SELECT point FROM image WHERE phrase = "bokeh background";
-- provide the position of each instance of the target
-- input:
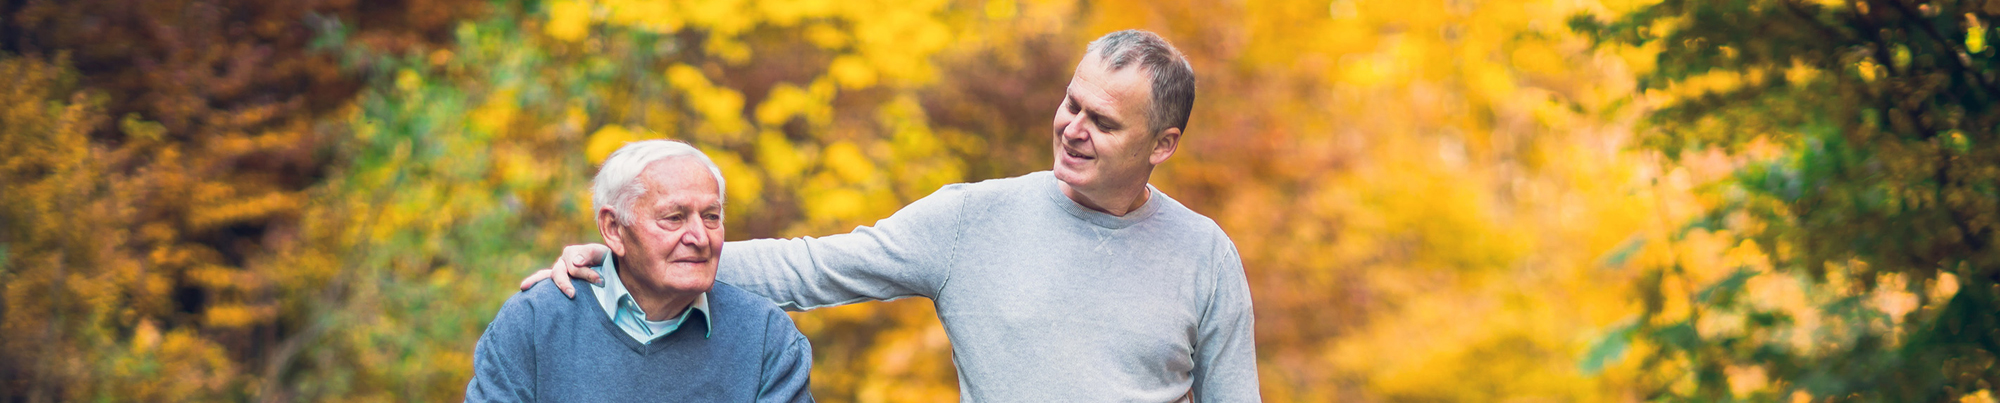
(1443, 200)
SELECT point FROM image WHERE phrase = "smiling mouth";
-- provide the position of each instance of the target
(1073, 154)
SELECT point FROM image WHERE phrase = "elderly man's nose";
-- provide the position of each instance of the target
(695, 236)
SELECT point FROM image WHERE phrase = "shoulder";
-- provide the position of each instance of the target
(743, 305)
(1199, 233)
(545, 300)
(956, 199)
(1023, 185)
(1185, 220)
(752, 313)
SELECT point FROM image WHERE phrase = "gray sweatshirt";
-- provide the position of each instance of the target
(1044, 300)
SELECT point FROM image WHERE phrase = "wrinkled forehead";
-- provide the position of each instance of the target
(680, 178)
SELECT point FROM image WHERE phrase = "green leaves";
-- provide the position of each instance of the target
(1856, 164)
(1607, 349)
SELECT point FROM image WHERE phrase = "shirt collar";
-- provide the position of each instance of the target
(618, 301)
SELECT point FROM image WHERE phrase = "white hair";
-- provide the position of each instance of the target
(617, 186)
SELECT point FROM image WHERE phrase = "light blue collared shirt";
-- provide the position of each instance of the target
(625, 311)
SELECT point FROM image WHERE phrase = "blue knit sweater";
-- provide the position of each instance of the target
(547, 347)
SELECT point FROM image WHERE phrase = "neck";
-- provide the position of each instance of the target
(659, 304)
(1116, 202)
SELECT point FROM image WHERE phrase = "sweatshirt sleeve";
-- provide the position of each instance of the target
(502, 361)
(904, 255)
(1225, 352)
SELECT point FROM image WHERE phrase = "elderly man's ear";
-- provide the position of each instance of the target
(607, 226)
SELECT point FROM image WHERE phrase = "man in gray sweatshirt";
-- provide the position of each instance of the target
(1083, 283)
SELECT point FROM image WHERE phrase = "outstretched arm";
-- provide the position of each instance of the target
(904, 255)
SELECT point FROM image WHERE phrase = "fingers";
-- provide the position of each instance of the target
(581, 258)
(561, 276)
(587, 274)
(534, 278)
(586, 255)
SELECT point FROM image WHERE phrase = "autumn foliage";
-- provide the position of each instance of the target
(327, 200)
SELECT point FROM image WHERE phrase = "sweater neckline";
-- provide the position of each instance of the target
(1053, 188)
(612, 329)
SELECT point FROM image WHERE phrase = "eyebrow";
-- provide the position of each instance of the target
(1103, 122)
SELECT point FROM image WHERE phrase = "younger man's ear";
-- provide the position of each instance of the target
(1164, 145)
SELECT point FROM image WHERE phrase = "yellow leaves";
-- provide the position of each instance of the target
(900, 41)
(785, 13)
(832, 204)
(605, 141)
(720, 107)
(495, 115)
(826, 36)
(846, 160)
(569, 20)
(724, 18)
(1001, 9)
(233, 210)
(1491, 80)
(1715, 81)
(198, 365)
(1538, 58)
(519, 170)
(787, 100)
(407, 80)
(653, 15)
(1975, 34)
(852, 72)
(1870, 71)
(228, 315)
(779, 158)
(745, 184)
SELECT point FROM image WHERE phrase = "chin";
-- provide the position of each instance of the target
(1072, 177)
(692, 285)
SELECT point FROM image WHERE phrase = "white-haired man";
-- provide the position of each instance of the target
(659, 327)
(1083, 284)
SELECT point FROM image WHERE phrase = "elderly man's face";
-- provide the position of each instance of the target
(675, 237)
(1101, 137)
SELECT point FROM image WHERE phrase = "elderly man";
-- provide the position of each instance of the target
(659, 327)
(1082, 284)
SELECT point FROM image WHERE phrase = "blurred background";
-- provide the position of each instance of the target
(1445, 200)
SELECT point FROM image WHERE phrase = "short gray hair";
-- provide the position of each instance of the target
(617, 186)
(1173, 77)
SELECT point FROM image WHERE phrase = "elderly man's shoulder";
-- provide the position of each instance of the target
(739, 302)
(545, 299)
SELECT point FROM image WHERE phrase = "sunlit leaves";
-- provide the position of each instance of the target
(1850, 180)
